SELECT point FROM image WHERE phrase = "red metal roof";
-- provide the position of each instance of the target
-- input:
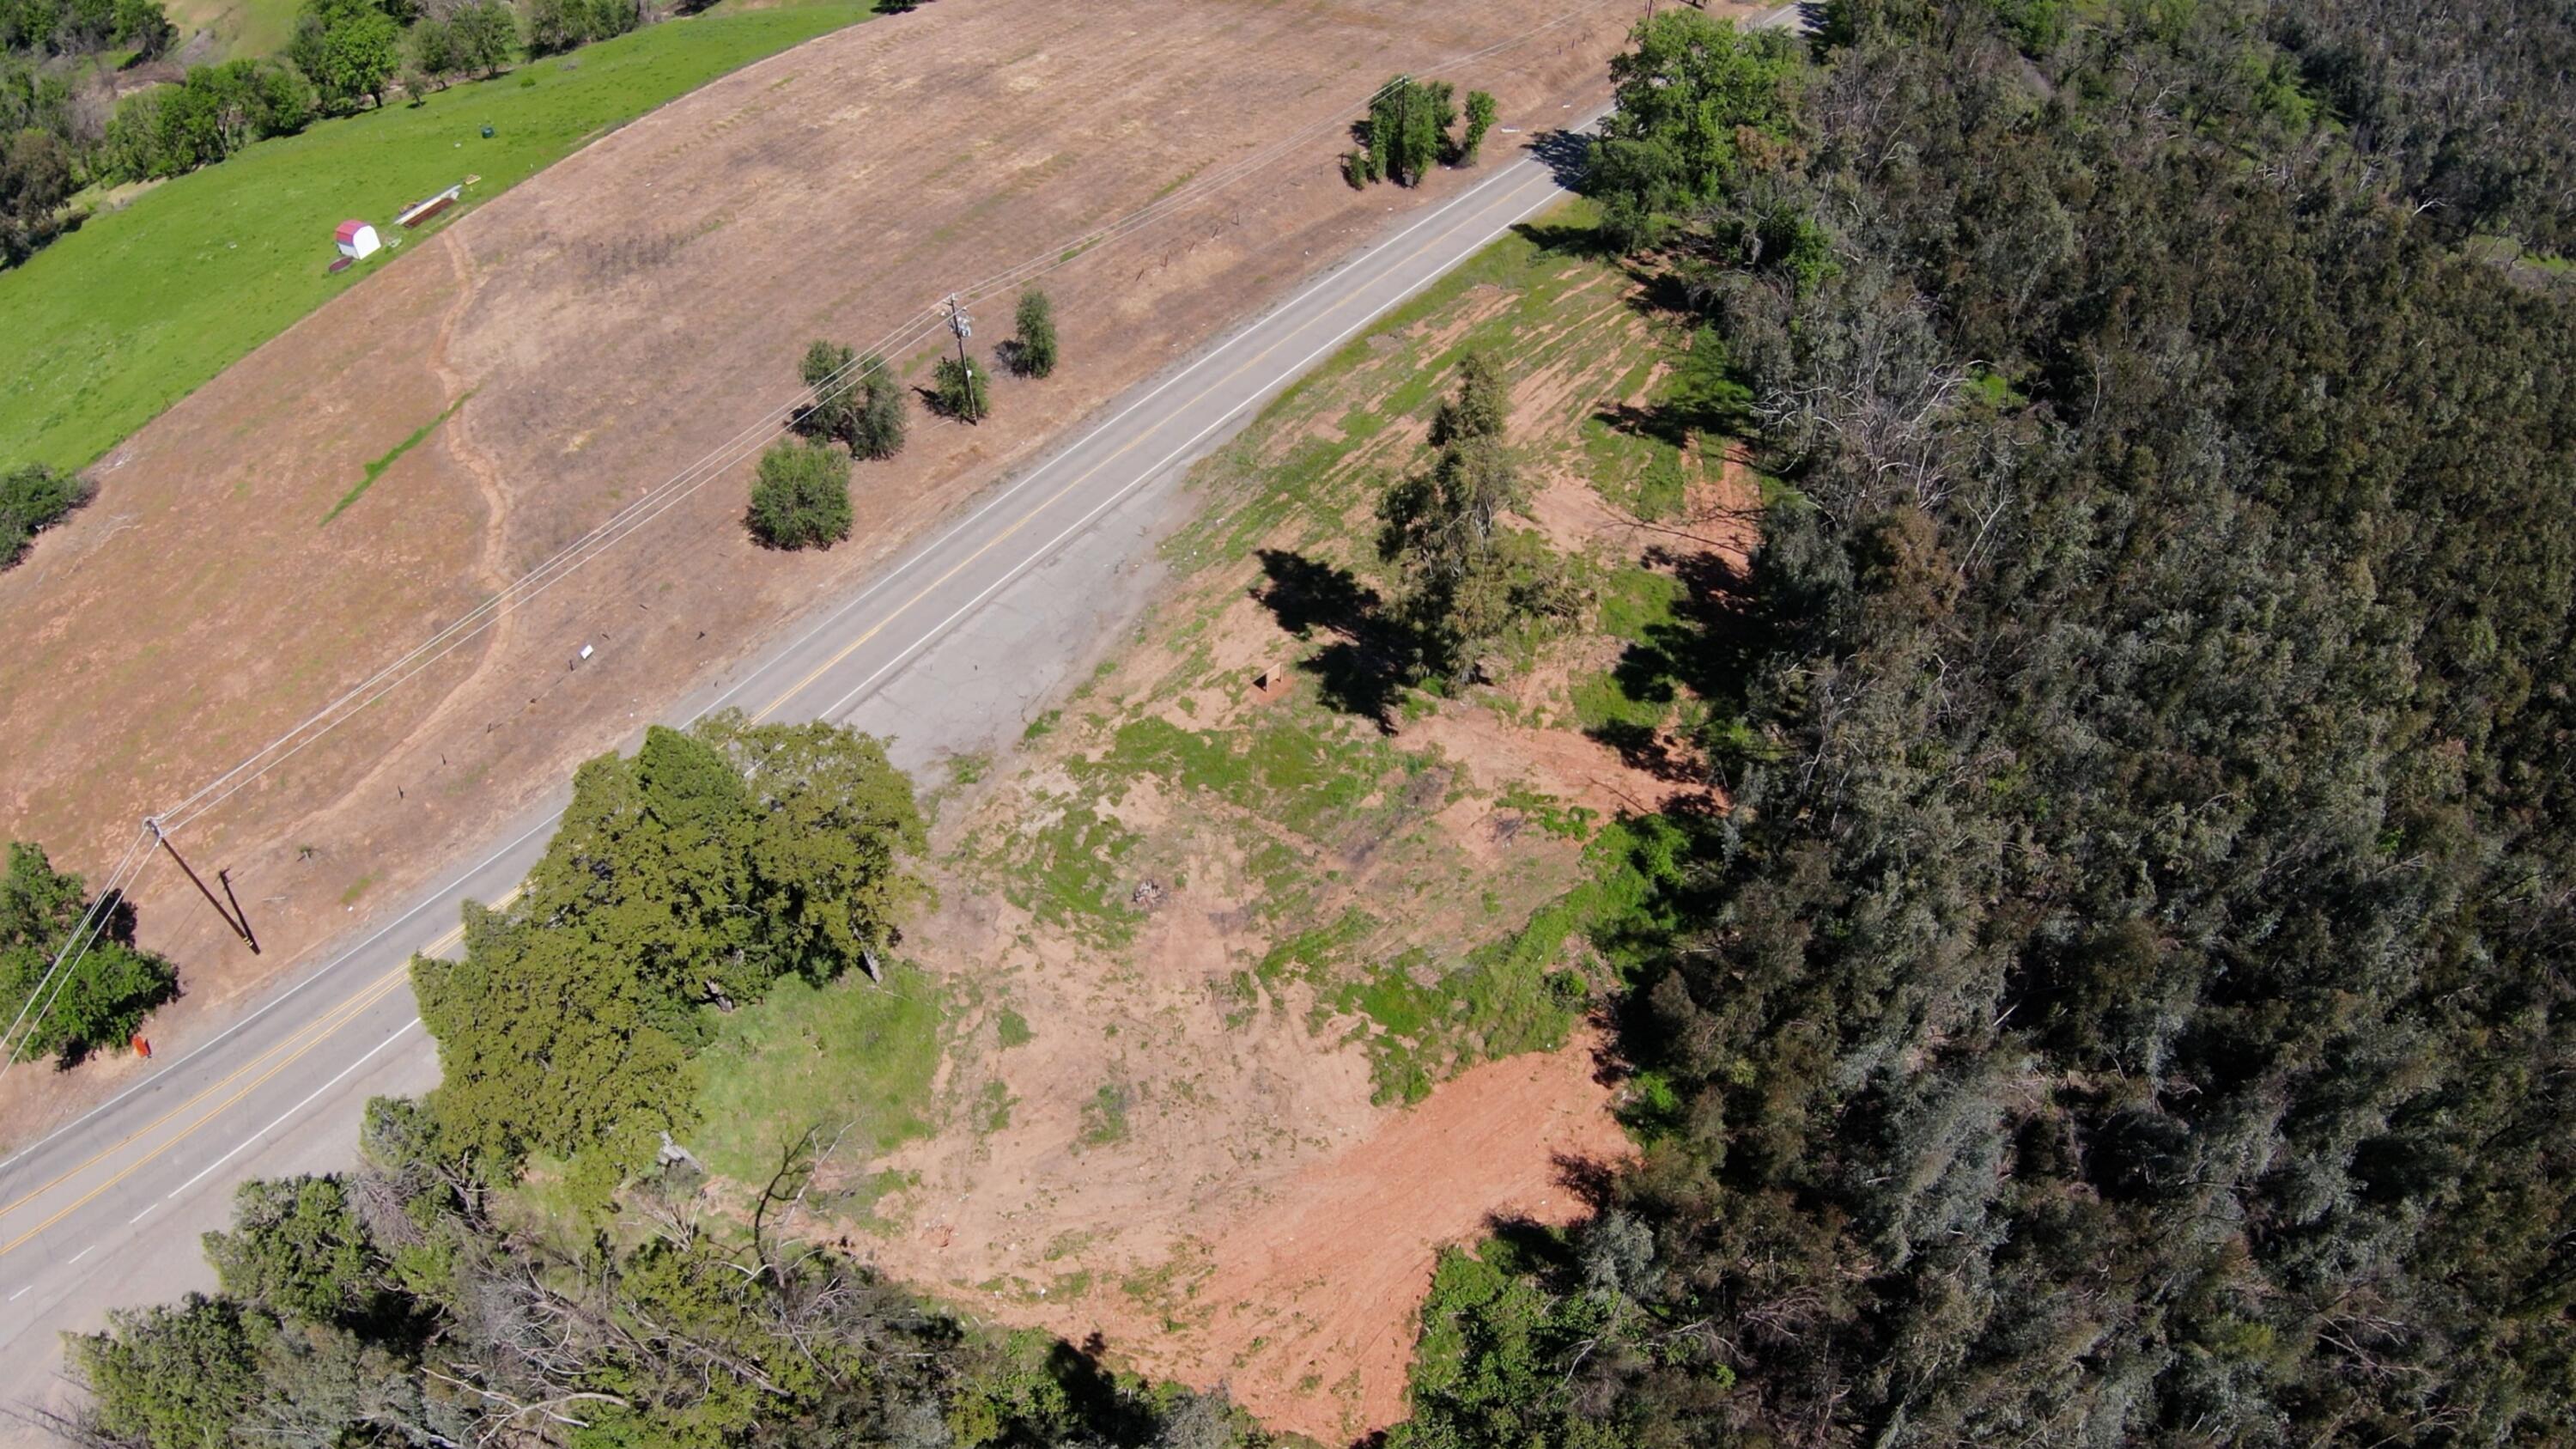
(348, 231)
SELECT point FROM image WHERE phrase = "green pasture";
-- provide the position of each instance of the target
(115, 322)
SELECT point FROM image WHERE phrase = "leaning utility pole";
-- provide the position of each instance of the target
(964, 327)
(233, 917)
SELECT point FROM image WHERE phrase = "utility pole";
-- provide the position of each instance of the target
(232, 917)
(964, 327)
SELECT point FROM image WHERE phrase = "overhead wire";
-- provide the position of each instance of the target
(76, 944)
(654, 502)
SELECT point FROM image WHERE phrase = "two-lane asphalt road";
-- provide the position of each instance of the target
(950, 642)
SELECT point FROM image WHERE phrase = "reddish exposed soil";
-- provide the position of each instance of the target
(1301, 1297)
(607, 324)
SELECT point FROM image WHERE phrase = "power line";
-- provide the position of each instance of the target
(654, 502)
(75, 946)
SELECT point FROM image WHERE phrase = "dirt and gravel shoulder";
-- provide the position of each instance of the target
(1255, 998)
(596, 331)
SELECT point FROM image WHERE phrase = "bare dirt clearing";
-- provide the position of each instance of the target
(606, 325)
(1266, 999)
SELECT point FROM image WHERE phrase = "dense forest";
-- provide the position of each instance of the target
(2126, 998)
(2129, 997)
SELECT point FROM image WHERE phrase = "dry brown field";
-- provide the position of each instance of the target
(598, 330)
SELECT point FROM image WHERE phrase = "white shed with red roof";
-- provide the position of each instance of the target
(356, 239)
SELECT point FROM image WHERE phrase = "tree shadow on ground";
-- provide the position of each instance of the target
(1098, 1401)
(1566, 155)
(1706, 649)
(1656, 421)
(1363, 668)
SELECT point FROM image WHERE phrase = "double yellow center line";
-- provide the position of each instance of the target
(276, 1059)
(288, 1052)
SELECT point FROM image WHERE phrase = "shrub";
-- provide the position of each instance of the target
(31, 500)
(1033, 348)
(876, 429)
(962, 390)
(802, 497)
(110, 990)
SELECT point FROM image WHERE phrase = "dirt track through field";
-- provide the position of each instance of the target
(605, 326)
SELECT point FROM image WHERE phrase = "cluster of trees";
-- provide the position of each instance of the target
(1411, 127)
(215, 111)
(400, 1305)
(47, 128)
(801, 497)
(1701, 109)
(555, 26)
(417, 1301)
(1468, 581)
(686, 879)
(33, 499)
(2128, 999)
(46, 28)
(95, 1008)
(477, 39)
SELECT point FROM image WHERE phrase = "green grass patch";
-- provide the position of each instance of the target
(1637, 603)
(112, 324)
(993, 1108)
(1073, 875)
(1602, 702)
(1635, 472)
(1104, 1117)
(855, 1203)
(1290, 771)
(851, 1055)
(1012, 1029)
(1422, 1024)
(1636, 606)
(376, 469)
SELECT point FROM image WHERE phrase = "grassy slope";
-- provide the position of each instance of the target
(114, 323)
(243, 27)
(852, 1059)
(1299, 784)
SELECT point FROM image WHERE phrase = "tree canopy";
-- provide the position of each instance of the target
(32, 499)
(347, 49)
(1468, 579)
(394, 1305)
(802, 497)
(115, 986)
(1033, 340)
(2126, 999)
(690, 876)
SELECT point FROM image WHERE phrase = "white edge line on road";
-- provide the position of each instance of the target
(138, 1217)
(1148, 474)
(921, 555)
(23, 1292)
(443, 895)
(76, 1257)
(1017, 572)
(397, 1034)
